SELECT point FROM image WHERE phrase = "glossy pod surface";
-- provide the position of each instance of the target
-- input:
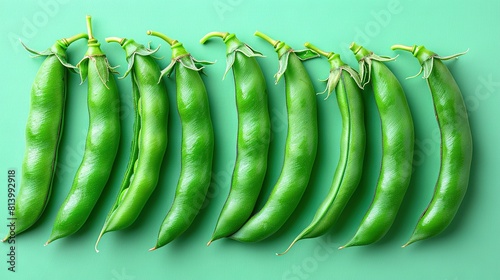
(43, 132)
(300, 149)
(254, 130)
(149, 141)
(397, 147)
(345, 81)
(456, 145)
(101, 143)
(197, 143)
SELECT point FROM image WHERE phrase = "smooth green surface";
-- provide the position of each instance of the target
(468, 249)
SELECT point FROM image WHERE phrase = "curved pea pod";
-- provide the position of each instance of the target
(300, 146)
(254, 130)
(346, 83)
(149, 141)
(396, 123)
(197, 142)
(43, 134)
(101, 143)
(456, 144)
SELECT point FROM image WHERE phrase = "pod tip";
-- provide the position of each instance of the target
(408, 243)
(222, 35)
(97, 242)
(289, 247)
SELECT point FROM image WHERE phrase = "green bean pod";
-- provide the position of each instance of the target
(197, 142)
(347, 85)
(300, 147)
(456, 144)
(149, 141)
(397, 147)
(43, 133)
(254, 130)
(101, 145)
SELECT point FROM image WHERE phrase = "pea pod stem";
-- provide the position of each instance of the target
(93, 44)
(267, 38)
(167, 39)
(404, 48)
(316, 49)
(70, 40)
(210, 35)
(115, 40)
(178, 52)
(89, 28)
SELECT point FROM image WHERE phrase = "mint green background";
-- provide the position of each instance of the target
(467, 250)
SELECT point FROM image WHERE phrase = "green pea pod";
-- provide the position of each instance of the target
(456, 144)
(300, 147)
(101, 144)
(397, 147)
(149, 140)
(197, 143)
(254, 130)
(347, 85)
(43, 134)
